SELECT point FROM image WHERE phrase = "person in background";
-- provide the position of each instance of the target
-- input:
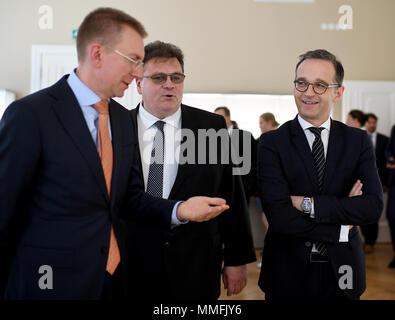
(249, 180)
(379, 142)
(267, 122)
(183, 264)
(356, 119)
(390, 156)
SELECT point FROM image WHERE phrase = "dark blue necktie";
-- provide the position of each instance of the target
(319, 165)
(155, 172)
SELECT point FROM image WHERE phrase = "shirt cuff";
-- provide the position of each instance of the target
(312, 215)
(344, 231)
(174, 220)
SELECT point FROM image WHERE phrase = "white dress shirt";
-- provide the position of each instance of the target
(344, 230)
(374, 138)
(172, 131)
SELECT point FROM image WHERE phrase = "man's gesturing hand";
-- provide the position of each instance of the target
(200, 209)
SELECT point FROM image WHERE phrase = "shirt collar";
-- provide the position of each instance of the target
(305, 124)
(84, 95)
(149, 119)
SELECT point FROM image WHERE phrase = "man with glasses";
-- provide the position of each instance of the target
(66, 167)
(307, 168)
(184, 263)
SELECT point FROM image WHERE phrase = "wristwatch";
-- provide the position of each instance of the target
(306, 205)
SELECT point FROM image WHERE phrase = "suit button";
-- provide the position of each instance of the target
(104, 250)
(167, 244)
(307, 244)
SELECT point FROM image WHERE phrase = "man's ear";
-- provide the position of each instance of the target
(339, 94)
(138, 84)
(95, 52)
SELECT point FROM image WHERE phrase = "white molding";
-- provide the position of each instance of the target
(40, 55)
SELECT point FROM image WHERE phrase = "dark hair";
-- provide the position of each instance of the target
(225, 110)
(359, 115)
(104, 25)
(268, 116)
(327, 56)
(370, 115)
(159, 49)
(234, 124)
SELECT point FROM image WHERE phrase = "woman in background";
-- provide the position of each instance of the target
(356, 119)
(267, 122)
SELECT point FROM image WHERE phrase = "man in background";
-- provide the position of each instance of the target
(239, 138)
(390, 156)
(379, 142)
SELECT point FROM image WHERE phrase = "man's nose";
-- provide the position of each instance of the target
(168, 83)
(137, 73)
(310, 91)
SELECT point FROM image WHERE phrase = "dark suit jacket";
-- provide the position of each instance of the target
(381, 161)
(185, 263)
(249, 180)
(54, 206)
(390, 152)
(285, 166)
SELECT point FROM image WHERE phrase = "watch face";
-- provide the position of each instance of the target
(306, 205)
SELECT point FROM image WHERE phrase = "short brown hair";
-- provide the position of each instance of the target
(269, 117)
(224, 109)
(104, 25)
(370, 115)
(159, 49)
(323, 54)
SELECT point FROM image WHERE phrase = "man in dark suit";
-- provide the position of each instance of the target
(379, 141)
(184, 264)
(390, 156)
(66, 170)
(238, 137)
(307, 168)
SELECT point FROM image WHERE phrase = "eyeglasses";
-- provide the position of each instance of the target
(161, 78)
(137, 64)
(318, 87)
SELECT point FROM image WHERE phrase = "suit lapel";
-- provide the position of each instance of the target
(133, 113)
(72, 119)
(301, 145)
(116, 132)
(334, 153)
(186, 123)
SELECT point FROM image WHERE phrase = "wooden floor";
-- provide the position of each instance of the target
(380, 279)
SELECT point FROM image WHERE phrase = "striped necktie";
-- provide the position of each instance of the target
(319, 165)
(106, 157)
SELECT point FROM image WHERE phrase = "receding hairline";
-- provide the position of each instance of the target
(318, 59)
(105, 25)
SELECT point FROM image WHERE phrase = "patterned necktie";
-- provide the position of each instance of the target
(106, 156)
(155, 172)
(319, 165)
